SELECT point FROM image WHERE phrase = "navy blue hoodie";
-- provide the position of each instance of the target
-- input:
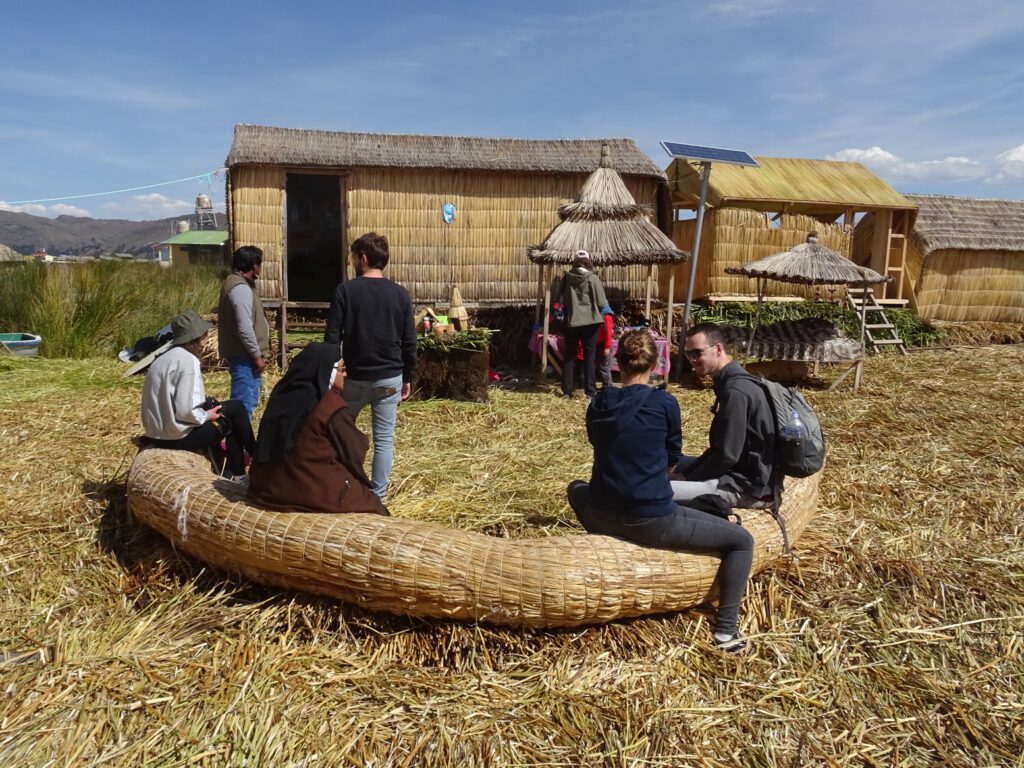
(636, 434)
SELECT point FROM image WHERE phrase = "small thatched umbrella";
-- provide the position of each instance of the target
(608, 223)
(809, 263)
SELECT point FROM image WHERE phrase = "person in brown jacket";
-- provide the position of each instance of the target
(310, 453)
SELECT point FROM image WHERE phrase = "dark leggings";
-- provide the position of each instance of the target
(686, 529)
(587, 334)
(239, 438)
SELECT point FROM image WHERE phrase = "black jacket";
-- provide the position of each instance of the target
(741, 450)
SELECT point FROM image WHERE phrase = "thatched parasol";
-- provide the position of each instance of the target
(607, 222)
(809, 263)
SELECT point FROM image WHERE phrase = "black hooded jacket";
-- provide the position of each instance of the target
(635, 432)
(294, 397)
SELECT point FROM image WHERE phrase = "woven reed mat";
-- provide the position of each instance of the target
(808, 339)
(424, 569)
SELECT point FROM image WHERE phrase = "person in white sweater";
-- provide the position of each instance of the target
(176, 412)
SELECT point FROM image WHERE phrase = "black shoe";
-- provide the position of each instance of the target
(578, 494)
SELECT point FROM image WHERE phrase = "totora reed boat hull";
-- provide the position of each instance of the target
(425, 569)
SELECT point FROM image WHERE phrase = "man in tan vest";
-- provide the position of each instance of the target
(243, 333)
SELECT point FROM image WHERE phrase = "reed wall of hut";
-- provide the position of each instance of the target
(256, 203)
(731, 237)
(497, 216)
(956, 284)
(963, 286)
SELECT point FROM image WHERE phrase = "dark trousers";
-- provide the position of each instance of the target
(587, 334)
(686, 529)
(236, 432)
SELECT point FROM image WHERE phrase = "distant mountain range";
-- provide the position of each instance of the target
(80, 236)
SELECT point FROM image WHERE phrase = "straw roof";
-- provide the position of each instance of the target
(810, 263)
(265, 145)
(794, 184)
(606, 221)
(965, 223)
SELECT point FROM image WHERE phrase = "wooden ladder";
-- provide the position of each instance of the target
(879, 331)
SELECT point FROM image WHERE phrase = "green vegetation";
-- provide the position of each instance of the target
(914, 331)
(95, 309)
(473, 339)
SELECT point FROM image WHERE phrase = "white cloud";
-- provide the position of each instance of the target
(98, 88)
(953, 168)
(1009, 166)
(747, 10)
(149, 206)
(49, 211)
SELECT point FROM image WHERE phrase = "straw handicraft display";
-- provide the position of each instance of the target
(424, 569)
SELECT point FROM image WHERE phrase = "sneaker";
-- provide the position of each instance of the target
(735, 643)
(242, 480)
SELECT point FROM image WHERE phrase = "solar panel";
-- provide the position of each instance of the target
(709, 154)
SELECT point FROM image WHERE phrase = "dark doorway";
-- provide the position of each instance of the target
(316, 251)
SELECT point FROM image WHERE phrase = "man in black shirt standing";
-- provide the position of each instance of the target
(372, 318)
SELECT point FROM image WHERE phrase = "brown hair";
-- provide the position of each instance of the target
(374, 247)
(637, 352)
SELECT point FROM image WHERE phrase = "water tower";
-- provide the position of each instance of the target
(206, 218)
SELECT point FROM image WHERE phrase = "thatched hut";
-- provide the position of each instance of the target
(755, 212)
(965, 260)
(606, 221)
(455, 209)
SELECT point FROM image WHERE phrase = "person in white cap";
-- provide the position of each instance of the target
(176, 413)
(584, 303)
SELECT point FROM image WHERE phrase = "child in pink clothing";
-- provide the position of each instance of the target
(605, 334)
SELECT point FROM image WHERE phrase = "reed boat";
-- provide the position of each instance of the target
(424, 569)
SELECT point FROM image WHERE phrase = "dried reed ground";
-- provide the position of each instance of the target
(894, 636)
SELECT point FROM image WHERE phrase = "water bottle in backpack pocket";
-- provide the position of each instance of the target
(792, 440)
(800, 441)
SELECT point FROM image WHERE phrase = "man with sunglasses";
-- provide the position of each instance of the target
(739, 462)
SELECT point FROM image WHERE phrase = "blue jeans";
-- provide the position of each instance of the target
(383, 397)
(245, 383)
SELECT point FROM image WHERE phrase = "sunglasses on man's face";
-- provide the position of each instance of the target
(694, 354)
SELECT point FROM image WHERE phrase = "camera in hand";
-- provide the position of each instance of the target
(209, 403)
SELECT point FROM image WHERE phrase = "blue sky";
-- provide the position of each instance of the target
(104, 96)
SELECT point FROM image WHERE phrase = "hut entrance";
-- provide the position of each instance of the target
(315, 247)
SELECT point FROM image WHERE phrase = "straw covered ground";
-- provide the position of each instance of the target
(893, 636)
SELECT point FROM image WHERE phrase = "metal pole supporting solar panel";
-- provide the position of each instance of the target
(705, 156)
(705, 175)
